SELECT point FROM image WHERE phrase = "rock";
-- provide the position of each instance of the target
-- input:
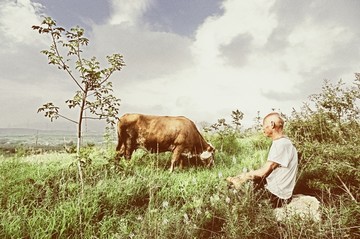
(301, 206)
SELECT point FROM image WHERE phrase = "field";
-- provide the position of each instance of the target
(12, 139)
(41, 197)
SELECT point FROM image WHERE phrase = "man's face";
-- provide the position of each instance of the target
(267, 127)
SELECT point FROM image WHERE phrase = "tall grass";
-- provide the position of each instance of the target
(40, 198)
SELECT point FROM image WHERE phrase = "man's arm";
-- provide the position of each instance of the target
(266, 169)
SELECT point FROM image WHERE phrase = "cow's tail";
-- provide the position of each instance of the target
(120, 145)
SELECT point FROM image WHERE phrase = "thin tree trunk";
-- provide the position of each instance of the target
(78, 146)
(79, 132)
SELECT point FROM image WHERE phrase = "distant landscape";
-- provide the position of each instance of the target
(11, 138)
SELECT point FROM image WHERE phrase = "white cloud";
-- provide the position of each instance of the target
(13, 14)
(240, 17)
(311, 44)
(210, 87)
(129, 12)
(27, 80)
(147, 54)
(309, 48)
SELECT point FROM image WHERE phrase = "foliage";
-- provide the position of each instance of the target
(327, 138)
(94, 88)
(329, 168)
(237, 116)
(39, 199)
(334, 117)
(225, 135)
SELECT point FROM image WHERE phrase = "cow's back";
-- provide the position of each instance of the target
(160, 132)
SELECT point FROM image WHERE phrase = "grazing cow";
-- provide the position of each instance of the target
(160, 134)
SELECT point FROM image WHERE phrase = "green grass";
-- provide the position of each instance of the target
(41, 198)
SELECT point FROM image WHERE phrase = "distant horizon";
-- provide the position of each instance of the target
(14, 137)
(24, 130)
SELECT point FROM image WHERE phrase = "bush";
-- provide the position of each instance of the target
(329, 167)
(327, 139)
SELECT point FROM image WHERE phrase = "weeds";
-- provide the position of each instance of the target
(40, 194)
(40, 199)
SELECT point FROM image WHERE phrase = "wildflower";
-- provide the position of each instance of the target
(234, 160)
(194, 180)
(220, 175)
(165, 221)
(198, 211)
(186, 218)
(165, 204)
(227, 200)
(214, 198)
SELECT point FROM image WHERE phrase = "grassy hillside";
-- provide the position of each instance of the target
(41, 198)
(41, 195)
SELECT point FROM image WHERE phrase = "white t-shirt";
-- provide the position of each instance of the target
(281, 181)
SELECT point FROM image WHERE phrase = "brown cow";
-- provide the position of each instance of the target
(160, 134)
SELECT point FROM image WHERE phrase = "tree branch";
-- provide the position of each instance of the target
(67, 118)
(62, 62)
(346, 189)
(94, 118)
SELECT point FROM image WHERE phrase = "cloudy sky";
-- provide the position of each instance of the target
(197, 58)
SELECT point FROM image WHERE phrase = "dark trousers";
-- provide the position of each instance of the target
(275, 201)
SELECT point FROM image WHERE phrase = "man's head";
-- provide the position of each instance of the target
(273, 125)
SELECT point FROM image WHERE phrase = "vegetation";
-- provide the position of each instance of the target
(46, 195)
(41, 197)
(328, 139)
(94, 88)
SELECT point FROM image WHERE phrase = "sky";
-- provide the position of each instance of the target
(198, 58)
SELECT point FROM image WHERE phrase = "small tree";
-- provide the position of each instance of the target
(237, 116)
(94, 89)
(225, 134)
(338, 101)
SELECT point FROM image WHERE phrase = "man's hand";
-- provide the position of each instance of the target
(236, 181)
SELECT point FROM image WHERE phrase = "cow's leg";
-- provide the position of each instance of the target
(129, 148)
(121, 147)
(120, 150)
(181, 162)
(119, 153)
(175, 157)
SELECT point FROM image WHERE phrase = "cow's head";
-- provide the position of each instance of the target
(208, 156)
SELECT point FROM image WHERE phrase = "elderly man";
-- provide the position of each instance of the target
(280, 168)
